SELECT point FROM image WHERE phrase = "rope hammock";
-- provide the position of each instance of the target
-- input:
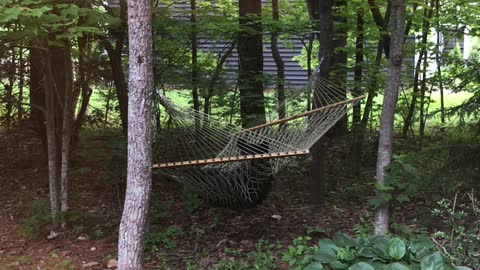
(234, 167)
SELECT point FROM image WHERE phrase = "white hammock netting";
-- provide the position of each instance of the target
(234, 167)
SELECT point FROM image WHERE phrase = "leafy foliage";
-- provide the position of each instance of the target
(376, 252)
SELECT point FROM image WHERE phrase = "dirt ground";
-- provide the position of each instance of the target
(205, 234)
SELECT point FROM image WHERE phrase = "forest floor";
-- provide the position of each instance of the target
(185, 233)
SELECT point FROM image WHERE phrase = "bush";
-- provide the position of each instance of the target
(377, 252)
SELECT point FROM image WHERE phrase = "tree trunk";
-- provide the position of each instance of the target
(85, 89)
(37, 91)
(439, 66)
(11, 74)
(280, 81)
(51, 135)
(213, 81)
(423, 91)
(357, 113)
(195, 77)
(388, 110)
(309, 69)
(427, 15)
(68, 108)
(317, 165)
(250, 53)
(382, 24)
(339, 64)
(139, 170)
(21, 83)
(115, 61)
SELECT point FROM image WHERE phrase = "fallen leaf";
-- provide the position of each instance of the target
(112, 264)
(81, 238)
(93, 248)
(52, 235)
(90, 264)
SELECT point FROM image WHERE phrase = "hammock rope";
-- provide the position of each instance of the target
(234, 167)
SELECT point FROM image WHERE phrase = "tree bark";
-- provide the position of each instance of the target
(280, 81)
(427, 15)
(250, 53)
(382, 24)
(85, 89)
(139, 171)
(68, 108)
(195, 77)
(317, 165)
(357, 113)
(115, 61)
(21, 83)
(213, 81)
(37, 91)
(51, 134)
(385, 143)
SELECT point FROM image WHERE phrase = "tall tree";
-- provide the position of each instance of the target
(280, 81)
(385, 143)
(194, 43)
(250, 53)
(139, 171)
(115, 61)
(326, 35)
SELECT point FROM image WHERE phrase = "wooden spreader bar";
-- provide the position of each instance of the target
(300, 115)
(229, 159)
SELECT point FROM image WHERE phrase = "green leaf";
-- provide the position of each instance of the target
(342, 240)
(433, 262)
(462, 268)
(314, 266)
(338, 265)
(396, 248)
(10, 14)
(327, 251)
(397, 266)
(367, 252)
(361, 266)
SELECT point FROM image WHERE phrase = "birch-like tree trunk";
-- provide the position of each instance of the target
(389, 103)
(66, 131)
(139, 172)
(51, 138)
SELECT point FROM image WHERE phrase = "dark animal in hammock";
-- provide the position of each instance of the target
(246, 191)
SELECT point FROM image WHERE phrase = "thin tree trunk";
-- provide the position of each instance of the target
(427, 15)
(382, 24)
(388, 110)
(309, 68)
(9, 88)
(250, 52)
(85, 89)
(280, 81)
(439, 67)
(139, 171)
(21, 83)
(357, 114)
(51, 136)
(115, 61)
(423, 91)
(213, 81)
(37, 91)
(107, 106)
(195, 77)
(372, 88)
(68, 108)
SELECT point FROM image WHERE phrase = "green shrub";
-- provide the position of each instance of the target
(377, 252)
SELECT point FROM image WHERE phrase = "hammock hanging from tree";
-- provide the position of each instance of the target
(233, 167)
